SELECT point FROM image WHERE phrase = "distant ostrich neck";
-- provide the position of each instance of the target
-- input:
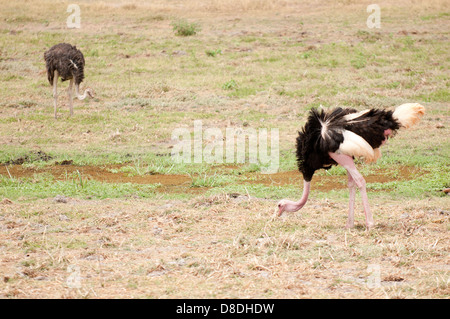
(77, 91)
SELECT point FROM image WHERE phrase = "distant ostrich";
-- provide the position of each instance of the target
(66, 61)
(337, 136)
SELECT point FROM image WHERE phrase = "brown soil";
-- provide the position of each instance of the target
(327, 183)
(181, 183)
(102, 173)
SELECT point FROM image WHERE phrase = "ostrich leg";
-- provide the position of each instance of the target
(69, 92)
(351, 204)
(347, 162)
(55, 92)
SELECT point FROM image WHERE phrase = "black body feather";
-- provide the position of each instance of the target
(371, 126)
(323, 133)
(67, 60)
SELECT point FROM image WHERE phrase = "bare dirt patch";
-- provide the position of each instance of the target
(103, 173)
(327, 183)
(175, 183)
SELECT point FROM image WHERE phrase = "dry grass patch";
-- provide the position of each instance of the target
(220, 247)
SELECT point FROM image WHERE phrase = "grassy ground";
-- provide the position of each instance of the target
(97, 197)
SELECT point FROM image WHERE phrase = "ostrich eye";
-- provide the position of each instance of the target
(279, 205)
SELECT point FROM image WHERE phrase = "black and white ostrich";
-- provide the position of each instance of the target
(66, 61)
(339, 135)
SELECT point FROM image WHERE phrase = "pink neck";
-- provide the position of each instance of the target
(295, 206)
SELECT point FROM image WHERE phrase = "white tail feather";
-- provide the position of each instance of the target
(408, 114)
(352, 116)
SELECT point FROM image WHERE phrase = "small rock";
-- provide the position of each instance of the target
(440, 125)
(60, 199)
(404, 216)
(393, 278)
(41, 278)
(65, 162)
(179, 52)
(63, 217)
(157, 230)
(263, 242)
(178, 262)
(264, 274)
(156, 273)
(94, 257)
(166, 206)
(116, 135)
(181, 262)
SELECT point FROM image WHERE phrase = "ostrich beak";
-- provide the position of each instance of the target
(91, 93)
(280, 210)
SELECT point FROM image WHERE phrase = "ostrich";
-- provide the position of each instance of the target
(66, 61)
(336, 137)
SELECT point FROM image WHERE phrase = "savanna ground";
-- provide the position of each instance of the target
(92, 206)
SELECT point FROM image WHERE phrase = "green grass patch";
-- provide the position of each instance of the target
(76, 185)
(184, 28)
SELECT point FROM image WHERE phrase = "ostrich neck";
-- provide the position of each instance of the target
(295, 206)
(306, 188)
(79, 96)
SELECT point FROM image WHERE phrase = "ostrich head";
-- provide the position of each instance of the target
(87, 92)
(90, 92)
(281, 207)
(285, 205)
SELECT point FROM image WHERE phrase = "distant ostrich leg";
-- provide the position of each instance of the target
(55, 91)
(66, 61)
